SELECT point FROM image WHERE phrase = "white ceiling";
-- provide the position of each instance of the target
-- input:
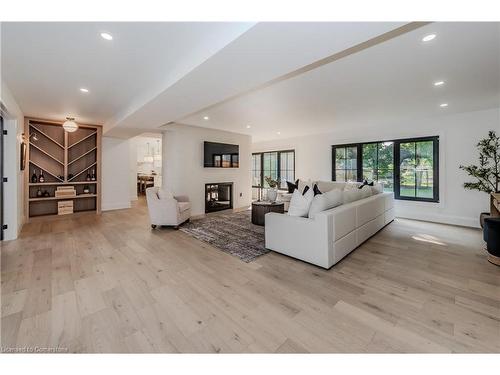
(45, 64)
(387, 83)
(243, 74)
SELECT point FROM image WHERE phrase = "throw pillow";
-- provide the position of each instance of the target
(306, 189)
(366, 191)
(292, 186)
(316, 190)
(165, 194)
(377, 188)
(365, 183)
(300, 203)
(325, 201)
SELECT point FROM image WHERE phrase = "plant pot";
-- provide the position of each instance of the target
(272, 194)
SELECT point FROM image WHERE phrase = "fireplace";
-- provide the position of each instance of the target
(218, 196)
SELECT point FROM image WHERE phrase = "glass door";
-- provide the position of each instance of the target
(1, 178)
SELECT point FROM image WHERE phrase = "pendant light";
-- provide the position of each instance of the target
(70, 125)
(148, 158)
(157, 156)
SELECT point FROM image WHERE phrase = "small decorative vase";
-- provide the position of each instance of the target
(272, 194)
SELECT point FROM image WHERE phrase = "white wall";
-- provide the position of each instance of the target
(14, 188)
(183, 171)
(459, 133)
(133, 168)
(115, 173)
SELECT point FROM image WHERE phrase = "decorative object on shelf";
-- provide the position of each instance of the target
(46, 194)
(65, 191)
(41, 178)
(272, 192)
(86, 189)
(487, 172)
(34, 178)
(22, 158)
(39, 193)
(87, 178)
(64, 207)
(60, 177)
(70, 125)
(92, 176)
(70, 176)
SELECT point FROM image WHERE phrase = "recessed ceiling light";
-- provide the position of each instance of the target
(443, 105)
(248, 126)
(84, 89)
(278, 133)
(107, 36)
(439, 83)
(428, 38)
(206, 118)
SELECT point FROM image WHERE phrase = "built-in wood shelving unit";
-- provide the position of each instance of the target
(65, 159)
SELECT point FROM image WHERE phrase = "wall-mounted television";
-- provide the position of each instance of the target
(221, 155)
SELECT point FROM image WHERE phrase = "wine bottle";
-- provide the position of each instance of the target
(92, 178)
(34, 178)
(41, 178)
(39, 193)
(88, 176)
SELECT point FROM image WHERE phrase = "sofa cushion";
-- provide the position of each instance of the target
(325, 186)
(351, 195)
(165, 194)
(300, 203)
(302, 184)
(183, 206)
(325, 201)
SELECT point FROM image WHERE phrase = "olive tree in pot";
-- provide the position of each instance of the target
(487, 179)
(487, 173)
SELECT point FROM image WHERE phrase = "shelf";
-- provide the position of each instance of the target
(46, 136)
(81, 196)
(81, 156)
(45, 169)
(62, 183)
(84, 138)
(46, 153)
(83, 170)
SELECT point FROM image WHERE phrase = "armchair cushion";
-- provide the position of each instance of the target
(183, 206)
(165, 194)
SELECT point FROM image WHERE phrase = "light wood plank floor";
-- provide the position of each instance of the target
(110, 284)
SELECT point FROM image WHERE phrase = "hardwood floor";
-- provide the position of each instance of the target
(111, 284)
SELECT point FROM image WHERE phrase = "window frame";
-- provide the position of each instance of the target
(397, 167)
(278, 161)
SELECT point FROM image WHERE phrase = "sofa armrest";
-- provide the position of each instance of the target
(181, 198)
(299, 237)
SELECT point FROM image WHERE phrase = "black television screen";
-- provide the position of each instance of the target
(221, 155)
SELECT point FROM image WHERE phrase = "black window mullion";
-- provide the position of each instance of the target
(397, 170)
(359, 162)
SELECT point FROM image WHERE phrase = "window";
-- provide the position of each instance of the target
(409, 167)
(346, 165)
(280, 165)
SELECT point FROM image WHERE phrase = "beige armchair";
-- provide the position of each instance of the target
(171, 211)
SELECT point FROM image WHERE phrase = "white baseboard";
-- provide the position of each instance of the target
(443, 219)
(115, 206)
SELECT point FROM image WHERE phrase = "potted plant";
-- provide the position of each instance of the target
(272, 192)
(487, 179)
(487, 173)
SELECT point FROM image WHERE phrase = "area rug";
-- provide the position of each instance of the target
(233, 233)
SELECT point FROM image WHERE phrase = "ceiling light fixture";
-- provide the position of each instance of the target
(70, 125)
(278, 133)
(443, 105)
(248, 126)
(206, 118)
(439, 83)
(428, 38)
(107, 36)
(84, 90)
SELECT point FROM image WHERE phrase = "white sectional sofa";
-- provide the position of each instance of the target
(332, 234)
